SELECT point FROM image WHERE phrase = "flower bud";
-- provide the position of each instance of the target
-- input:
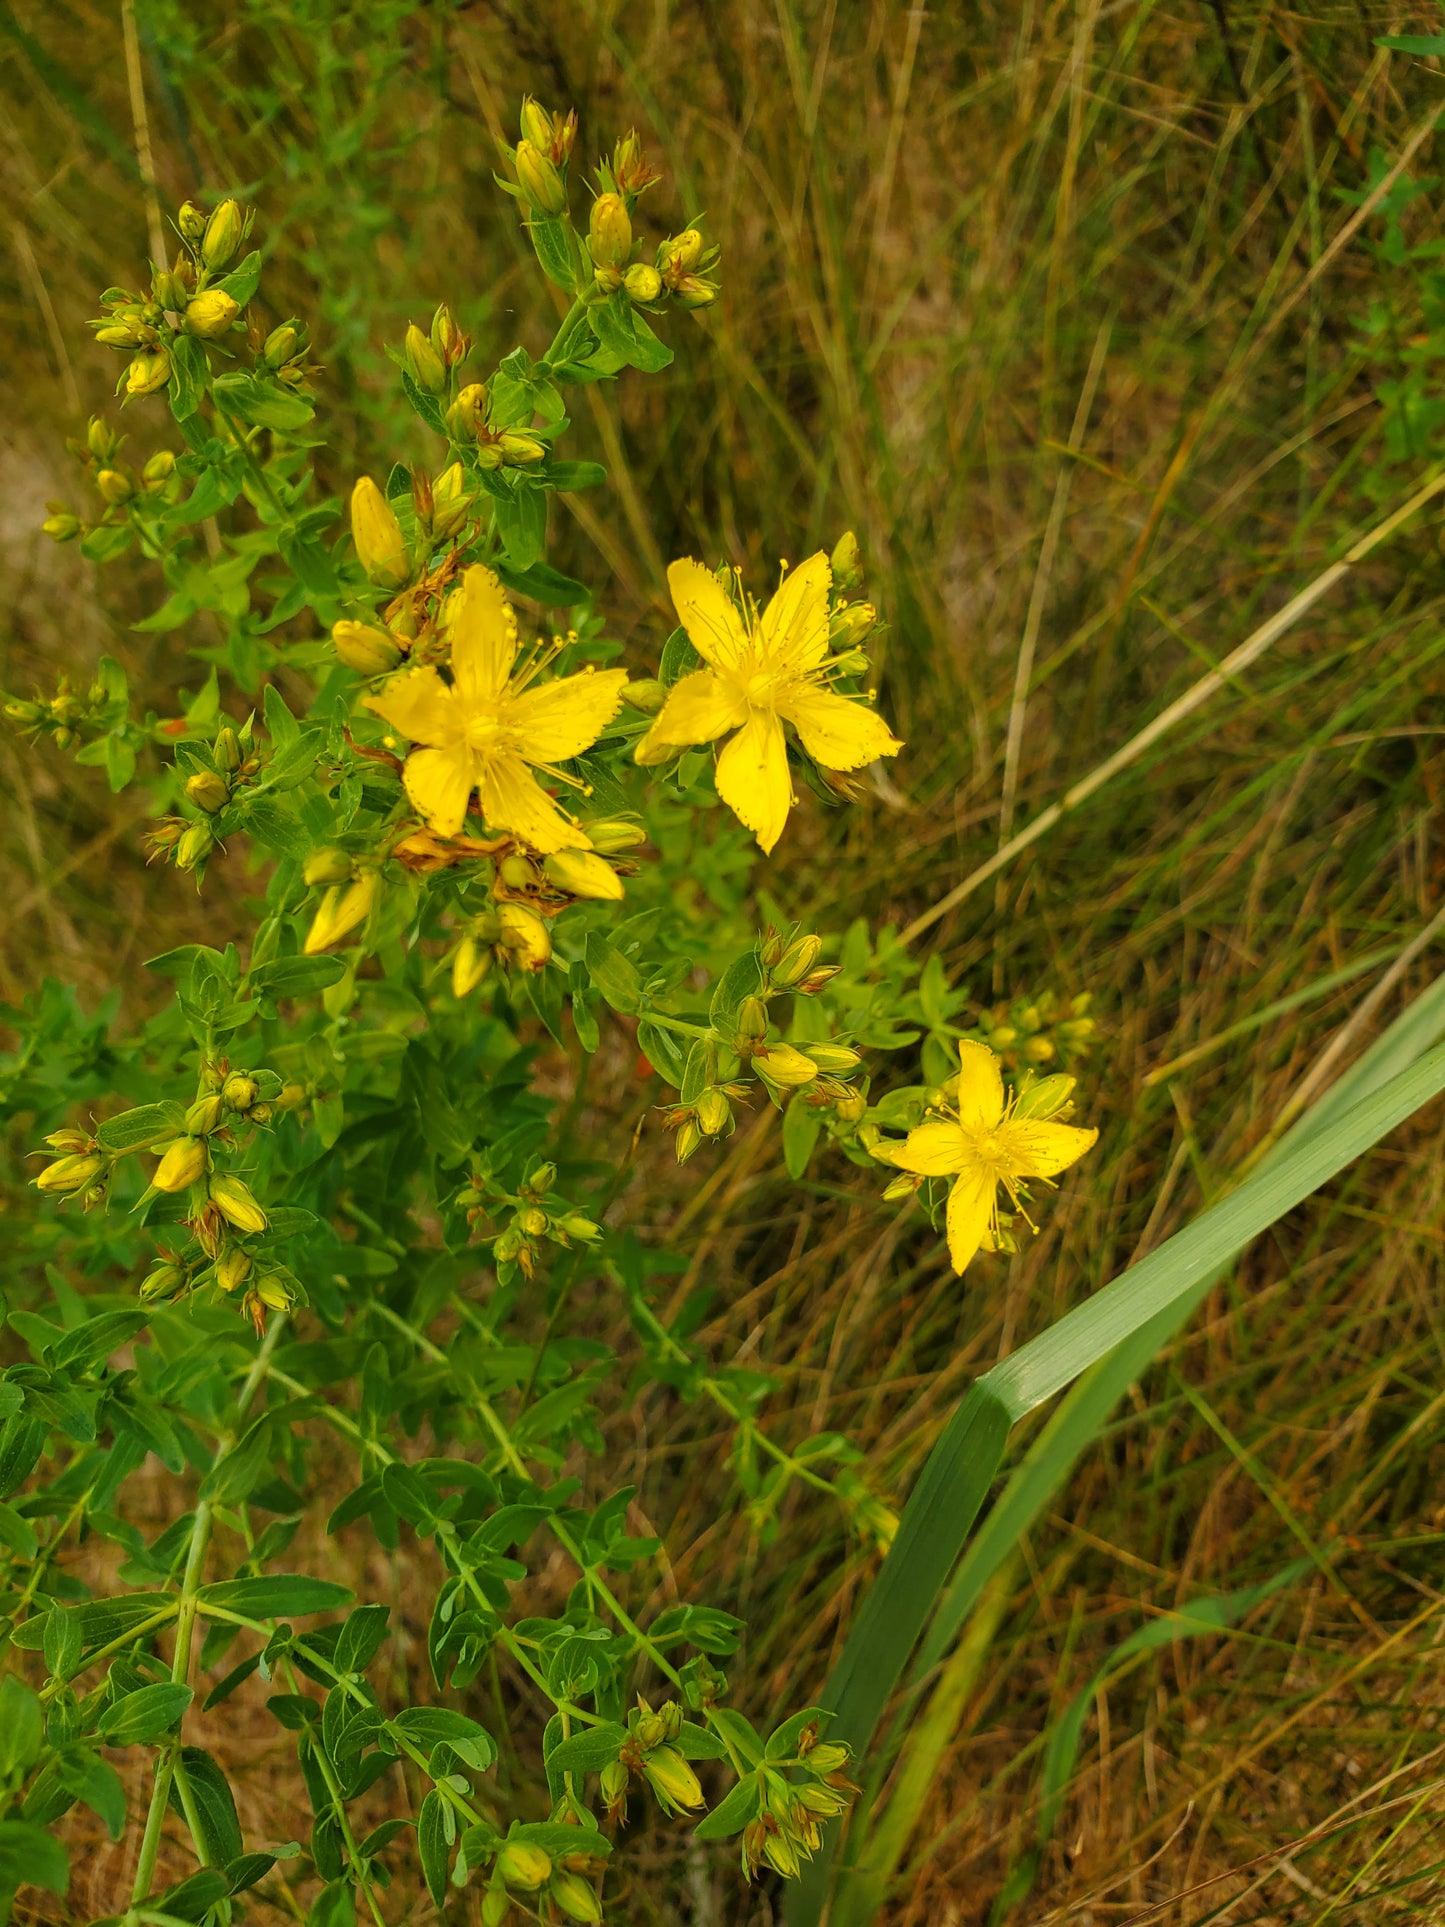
(240, 1091)
(327, 867)
(525, 935)
(495, 1907)
(522, 1865)
(194, 845)
(613, 834)
(365, 648)
(274, 1291)
(447, 338)
(224, 233)
(533, 1221)
(646, 694)
(185, 1162)
(688, 1139)
(521, 451)
(62, 528)
(468, 412)
(115, 485)
(796, 961)
(713, 1113)
(191, 221)
(281, 345)
(68, 1175)
(781, 1064)
(377, 536)
(159, 468)
(681, 254)
(126, 334)
(292, 1098)
(834, 1058)
(148, 372)
(851, 1108)
(652, 749)
(815, 979)
(452, 501)
(609, 231)
(574, 1225)
(613, 1779)
(781, 1855)
(208, 791)
(24, 715)
(424, 364)
(163, 1282)
(830, 1756)
(226, 750)
(852, 623)
(582, 874)
(576, 1897)
(694, 291)
(205, 1115)
(643, 284)
(233, 1268)
(470, 963)
(538, 177)
(489, 455)
(340, 911)
(210, 314)
(752, 1021)
(631, 169)
(847, 562)
(236, 1205)
(516, 872)
(672, 1779)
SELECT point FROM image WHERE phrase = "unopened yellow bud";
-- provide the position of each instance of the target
(69, 1175)
(576, 1897)
(752, 1021)
(796, 961)
(204, 1115)
(126, 334)
(226, 750)
(847, 561)
(852, 623)
(452, 501)
(539, 179)
(240, 1091)
(148, 372)
(781, 1855)
(423, 362)
(324, 867)
(851, 1108)
(523, 1865)
(281, 344)
(609, 231)
(713, 1113)
(62, 528)
(224, 233)
(365, 648)
(694, 291)
(834, 1058)
(468, 412)
(524, 934)
(273, 1291)
(208, 791)
(642, 283)
(516, 872)
(582, 874)
(194, 845)
(340, 911)
(689, 1136)
(185, 1162)
(533, 1221)
(115, 485)
(210, 314)
(681, 254)
(159, 468)
(470, 963)
(783, 1065)
(612, 834)
(673, 1780)
(236, 1205)
(521, 451)
(191, 221)
(163, 1282)
(233, 1268)
(377, 536)
(646, 694)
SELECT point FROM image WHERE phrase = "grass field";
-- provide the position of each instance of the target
(1085, 318)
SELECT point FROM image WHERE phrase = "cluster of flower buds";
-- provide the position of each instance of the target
(649, 1753)
(189, 298)
(62, 717)
(215, 776)
(821, 1069)
(469, 424)
(431, 357)
(121, 488)
(540, 159)
(80, 1169)
(533, 1213)
(789, 1827)
(553, 1885)
(1031, 1032)
(283, 352)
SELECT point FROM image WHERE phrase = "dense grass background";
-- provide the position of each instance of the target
(1043, 300)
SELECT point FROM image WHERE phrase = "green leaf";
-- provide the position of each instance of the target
(575, 475)
(146, 1124)
(295, 976)
(281, 1595)
(521, 517)
(244, 279)
(105, 543)
(543, 583)
(614, 975)
(662, 1050)
(17, 1533)
(212, 1802)
(145, 1715)
(733, 1812)
(555, 248)
(29, 1857)
(429, 1726)
(194, 1898)
(802, 1127)
(431, 1844)
(742, 978)
(22, 1726)
(190, 372)
(588, 1751)
(262, 403)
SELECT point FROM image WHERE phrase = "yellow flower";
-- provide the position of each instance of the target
(762, 671)
(987, 1143)
(486, 729)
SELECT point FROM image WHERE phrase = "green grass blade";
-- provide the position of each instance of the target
(1153, 1298)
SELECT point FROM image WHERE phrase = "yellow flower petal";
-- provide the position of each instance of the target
(980, 1087)
(556, 720)
(794, 626)
(421, 707)
(700, 708)
(713, 625)
(934, 1150)
(1039, 1150)
(837, 733)
(483, 632)
(752, 777)
(439, 782)
(512, 799)
(970, 1212)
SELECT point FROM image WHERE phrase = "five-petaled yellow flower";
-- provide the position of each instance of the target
(487, 729)
(762, 671)
(989, 1142)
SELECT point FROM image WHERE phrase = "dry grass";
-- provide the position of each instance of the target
(943, 229)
